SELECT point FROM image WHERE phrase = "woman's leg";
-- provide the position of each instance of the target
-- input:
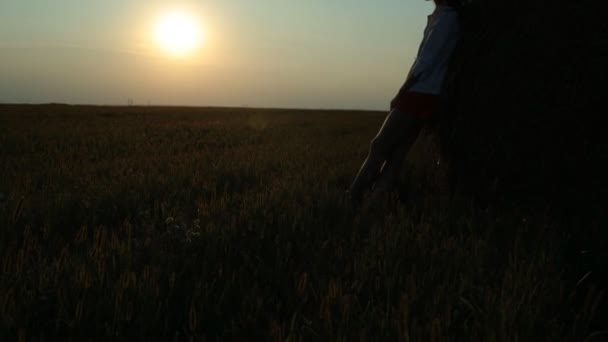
(393, 133)
(392, 168)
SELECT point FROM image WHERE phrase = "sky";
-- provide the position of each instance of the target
(348, 54)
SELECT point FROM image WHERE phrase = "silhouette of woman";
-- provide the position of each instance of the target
(414, 104)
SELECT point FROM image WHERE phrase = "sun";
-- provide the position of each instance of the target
(178, 33)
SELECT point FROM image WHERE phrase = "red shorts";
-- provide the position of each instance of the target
(418, 105)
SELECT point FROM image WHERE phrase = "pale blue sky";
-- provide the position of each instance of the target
(270, 53)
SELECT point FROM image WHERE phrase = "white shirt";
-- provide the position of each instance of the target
(440, 37)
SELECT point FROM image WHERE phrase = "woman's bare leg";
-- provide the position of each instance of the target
(396, 131)
(389, 174)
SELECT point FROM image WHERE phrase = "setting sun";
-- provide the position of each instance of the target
(178, 33)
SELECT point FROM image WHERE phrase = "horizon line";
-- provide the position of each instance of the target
(190, 106)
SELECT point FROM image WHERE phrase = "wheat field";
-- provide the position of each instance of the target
(216, 224)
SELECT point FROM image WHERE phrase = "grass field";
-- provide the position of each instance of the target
(143, 223)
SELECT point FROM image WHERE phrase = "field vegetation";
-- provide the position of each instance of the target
(144, 223)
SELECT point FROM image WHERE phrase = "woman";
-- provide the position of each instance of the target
(415, 103)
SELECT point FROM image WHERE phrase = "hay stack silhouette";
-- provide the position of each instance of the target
(520, 116)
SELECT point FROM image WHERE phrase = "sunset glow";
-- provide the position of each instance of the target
(178, 33)
(288, 54)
